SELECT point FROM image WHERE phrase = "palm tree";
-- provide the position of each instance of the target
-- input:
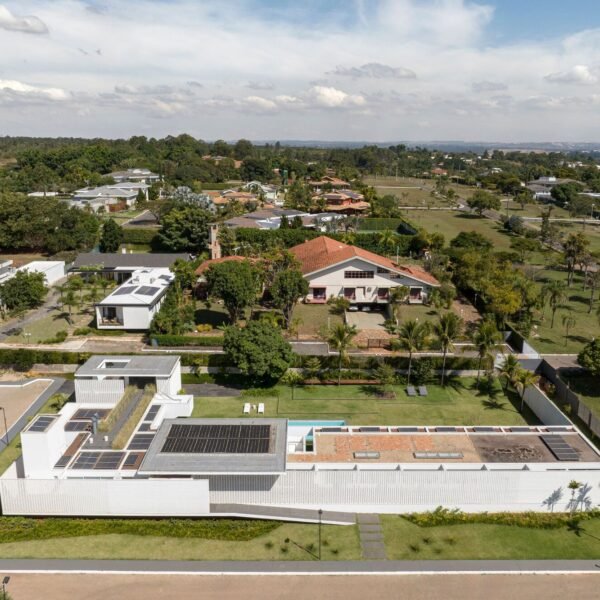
(387, 240)
(568, 321)
(70, 300)
(486, 339)
(593, 279)
(447, 329)
(398, 297)
(340, 339)
(412, 337)
(524, 379)
(557, 294)
(509, 369)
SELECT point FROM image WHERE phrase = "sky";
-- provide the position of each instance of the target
(337, 70)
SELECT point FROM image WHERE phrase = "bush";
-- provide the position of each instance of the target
(134, 418)
(165, 339)
(203, 328)
(83, 331)
(139, 235)
(59, 337)
(120, 407)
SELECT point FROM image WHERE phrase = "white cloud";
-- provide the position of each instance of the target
(27, 24)
(261, 103)
(10, 89)
(331, 97)
(488, 86)
(374, 70)
(577, 74)
(144, 89)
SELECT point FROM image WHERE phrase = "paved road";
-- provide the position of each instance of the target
(316, 567)
(448, 587)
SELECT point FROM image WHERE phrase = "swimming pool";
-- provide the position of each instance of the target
(316, 423)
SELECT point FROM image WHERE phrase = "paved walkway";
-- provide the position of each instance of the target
(371, 537)
(313, 567)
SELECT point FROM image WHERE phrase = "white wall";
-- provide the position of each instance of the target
(404, 491)
(547, 412)
(172, 385)
(98, 391)
(105, 497)
(335, 282)
(41, 450)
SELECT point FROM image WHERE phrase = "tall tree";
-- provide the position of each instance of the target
(593, 278)
(413, 337)
(24, 291)
(556, 292)
(288, 287)
(568, 321)
(574, 248)
(340, 339)
(509, 369)
(185, 228)
(525, 379)
(447, 329)
(589, 357)
(112, 236)
(481, 201)
(486, 339)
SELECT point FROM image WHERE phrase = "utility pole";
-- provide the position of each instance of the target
(320, 520)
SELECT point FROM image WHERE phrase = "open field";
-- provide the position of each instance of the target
(475, 541)
(313, 318)
(21, 258)
(592, 232)
(341, 544)
(588, 390)
(47, 327)
(531, 210)
(455, 404)
(553, 340)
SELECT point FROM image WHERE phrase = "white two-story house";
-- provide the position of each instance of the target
(336, 269)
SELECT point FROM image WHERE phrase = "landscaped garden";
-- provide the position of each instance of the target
(458, 403)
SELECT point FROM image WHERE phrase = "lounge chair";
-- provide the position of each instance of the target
(410, 390)
(261, 409)
(422, 390)
(247, 408)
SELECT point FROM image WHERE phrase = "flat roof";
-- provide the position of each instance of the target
(142, 289)
(471, 447)
(159, 366)
(217, 446)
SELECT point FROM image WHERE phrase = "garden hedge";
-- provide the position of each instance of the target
(164, 339)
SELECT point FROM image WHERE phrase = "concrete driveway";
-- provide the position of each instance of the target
(366, 320)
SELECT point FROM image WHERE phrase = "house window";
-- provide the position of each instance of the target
(383, 293)
(359, 274)
(319, 293)
(350, 293)
(382, 271)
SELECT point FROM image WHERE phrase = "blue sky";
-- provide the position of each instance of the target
(378, 70)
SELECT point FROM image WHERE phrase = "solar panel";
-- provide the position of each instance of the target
(152, 412)
(141, 441)
(144, 427)
(123, 291)
(78, 426)
(561, 449)
(445, 429)
(41, 423)
(88, 413)
(98, 460)
(482, 429)
(218, 439)
(147, 290)
(408, 429)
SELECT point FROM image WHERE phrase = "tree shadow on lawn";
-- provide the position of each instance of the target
(211, 317)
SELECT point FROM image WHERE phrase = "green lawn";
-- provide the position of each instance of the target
(474, 541)
(339, 543)
(592, 232)
(588, 390)
(456, 404)
(313, 318)
(553, 340)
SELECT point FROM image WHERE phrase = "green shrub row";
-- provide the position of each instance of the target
(98, 332)
(19, 529)
(22, 359)
(458, 363)
(134, 418)
(164, 339)
(547, 520)
(119, 409)
(139, 235)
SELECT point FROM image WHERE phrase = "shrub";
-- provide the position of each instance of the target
(120, 407)
(269, 545)
(139, 235)
(58, 338)
(125, 433)
(83, 331)
(203, 328)
(164, 339)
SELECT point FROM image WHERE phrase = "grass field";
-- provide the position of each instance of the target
(456, 404)
(407, 541)
(339, 543)
(313, 318)
(592, 232)
(588, 390)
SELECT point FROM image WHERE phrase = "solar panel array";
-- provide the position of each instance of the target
(88, 413)
(123, 291)
(218, 439)
(152, 412)
(561, 449)
(147, 290)
(78, 426)
(141, 441)
(98, 460)
(133, 460)
(41, 423)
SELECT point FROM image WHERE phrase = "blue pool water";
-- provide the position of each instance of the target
(316, 423)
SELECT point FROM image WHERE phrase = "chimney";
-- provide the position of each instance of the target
(213, 242)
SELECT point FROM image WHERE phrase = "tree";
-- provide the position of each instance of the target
(288, 287)
(574, 248)
(564, 193)
(481, 201)
(524, 197)
(593, 279)
(140, 199)
(398, 298)
(258, 350)
(386, 375)
(242, 149)
(524, 246)
(236, 283)
(340, 339)
(312, 367)
(556, 292)
(24, 291)
(471, 240)
(486, 339)
(568, 321)
(291, 378)
(112, 236)
(70, 300)
(524, 379)
(185, 228)
(589, 357)
(447, 329)
(387, 239)
(412, 338)
(509, 369)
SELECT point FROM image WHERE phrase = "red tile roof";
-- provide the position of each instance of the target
(323, 252)
(214, 261)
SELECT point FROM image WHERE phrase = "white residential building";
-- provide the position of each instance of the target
(139, 175)
(53, 270)
(335, 269)
(134, 303)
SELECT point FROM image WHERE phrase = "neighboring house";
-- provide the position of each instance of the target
(139, 175)
(121, 266)
(110, 198)
(329, 182)
(173, 465)
(362, 277)
(133, 304)
(270, 218)
(439, 172)
(53, 270)
(44, 194)
(347, 202)
(269, 192)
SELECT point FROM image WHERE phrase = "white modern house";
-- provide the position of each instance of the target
(53, 270)
(133, 304)
(140, 175)
(108, 197)
(175, 465)
(269, 192)
(336, 269)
